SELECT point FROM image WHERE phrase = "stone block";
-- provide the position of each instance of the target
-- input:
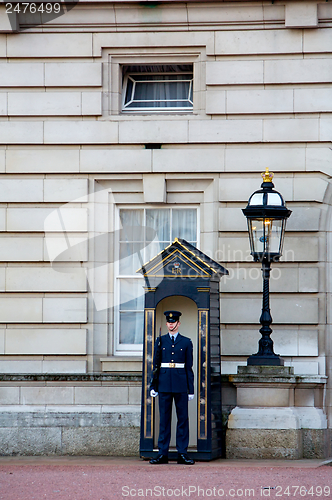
(291, 130)
(8, 22)
(47, 219)
(115, 364)
(21, 366)
(64, 310)
(239, 342)
(317, 41)
(259, 101)
(258, 42)
(225, 131)
(239, 159)
(42, 160)
(46, 341)
(63, 366)
(9, 395)
(304, 397)
(65, 190)
(264, 444)
(135, 394)
(44, 103)
(50, 45)
(301, 14)
(80, 132)
(91, 103)
(101, 395)
(294, 309)
(103, 441)
(188, 160)
(222, 15)
(145, 132)
(262, 396)
(49, 395)
(160, 14)
(74, 74)
(308, 342)
(319, 159)
(310, 188)
(22, 74)
(3, 104)
(232, 190)
(2, 341)
(21, 190)
(297, 70)
(13, 249)
(16, 132)
(20, 310)
(308, 279)
(31, 442)
(273, 418)
(116, 160)
(2, 160)
(215, 102)
(313, 100)
(65, 248)
(305, 218)
(234, 72)
(325, 129)
(154, 187)
(315, 443)
(304, 367)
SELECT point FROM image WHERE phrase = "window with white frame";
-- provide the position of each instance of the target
(144, 232)
(157, 88)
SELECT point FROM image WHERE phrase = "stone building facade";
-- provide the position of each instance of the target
(88, 151)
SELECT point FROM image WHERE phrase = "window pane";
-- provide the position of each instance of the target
(131, 225)
(184, 224)
(159, 220)
(131, 294)
(131, 257)
(131, 327)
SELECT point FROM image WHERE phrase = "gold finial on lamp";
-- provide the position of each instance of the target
(267, 176)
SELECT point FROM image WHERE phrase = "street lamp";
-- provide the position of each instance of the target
(266, 214)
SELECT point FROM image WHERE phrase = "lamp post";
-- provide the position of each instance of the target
(266, 214)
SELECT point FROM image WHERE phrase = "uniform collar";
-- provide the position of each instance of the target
(173, 335)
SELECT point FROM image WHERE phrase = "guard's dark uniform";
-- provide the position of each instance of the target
(174, 383)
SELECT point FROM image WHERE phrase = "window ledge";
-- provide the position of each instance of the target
(131, 364)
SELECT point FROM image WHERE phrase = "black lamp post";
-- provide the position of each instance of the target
(266, 214)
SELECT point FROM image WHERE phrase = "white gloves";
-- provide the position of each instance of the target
(153, 393)
(190, 397)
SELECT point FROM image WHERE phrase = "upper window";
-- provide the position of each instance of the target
(158, 88)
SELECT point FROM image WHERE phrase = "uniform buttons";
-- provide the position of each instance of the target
(173, 346)
(172, 360)
(172, 352)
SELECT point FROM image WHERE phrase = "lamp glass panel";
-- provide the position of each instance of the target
(257, 237)
(274, 236)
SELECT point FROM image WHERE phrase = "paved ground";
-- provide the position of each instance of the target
(108, 478)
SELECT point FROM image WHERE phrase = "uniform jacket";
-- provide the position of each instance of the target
(174, 379)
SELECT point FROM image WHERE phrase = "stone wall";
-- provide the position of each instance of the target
(262, 97)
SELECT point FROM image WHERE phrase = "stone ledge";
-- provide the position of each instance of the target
(70, 377)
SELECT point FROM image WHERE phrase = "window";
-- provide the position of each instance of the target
(143, 233)
(158, 88)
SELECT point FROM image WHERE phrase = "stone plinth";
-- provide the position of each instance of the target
(278, 415)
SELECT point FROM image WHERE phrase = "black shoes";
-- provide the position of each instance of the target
(160, 459)
(184, 459)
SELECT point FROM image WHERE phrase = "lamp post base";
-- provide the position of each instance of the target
(258, 360)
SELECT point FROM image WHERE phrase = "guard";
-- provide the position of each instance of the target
(173, 378)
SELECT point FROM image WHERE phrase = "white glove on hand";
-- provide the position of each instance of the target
(153, 393)
(190, 397)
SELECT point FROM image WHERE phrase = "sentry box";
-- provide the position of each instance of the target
(181, 277)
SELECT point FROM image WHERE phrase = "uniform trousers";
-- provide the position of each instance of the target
(182, 428)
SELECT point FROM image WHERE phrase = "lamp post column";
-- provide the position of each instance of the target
(265, 355)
